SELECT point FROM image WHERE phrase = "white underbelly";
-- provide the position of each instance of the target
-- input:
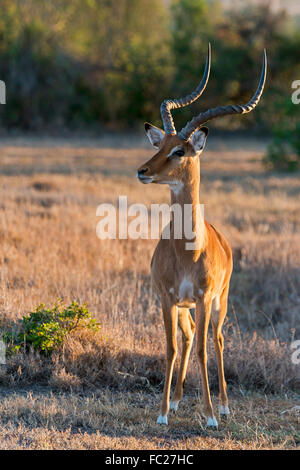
(186, 290)
(187, 294)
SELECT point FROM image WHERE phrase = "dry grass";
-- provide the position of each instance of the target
(40, 419)
(49, 194)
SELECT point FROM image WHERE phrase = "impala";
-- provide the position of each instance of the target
(191, 278)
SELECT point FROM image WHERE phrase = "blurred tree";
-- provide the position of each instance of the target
(238, 37)
(191, 29)
(127, 44)
(91, 62)
(36, 72)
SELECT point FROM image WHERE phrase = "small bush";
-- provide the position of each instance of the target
(284, 151)
(45, 329)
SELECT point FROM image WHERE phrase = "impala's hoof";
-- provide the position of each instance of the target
(174, 405)
(212, 423)
(224, 410)
(162, 420)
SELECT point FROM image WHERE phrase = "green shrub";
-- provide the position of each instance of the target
(284, 151)
(45, 329)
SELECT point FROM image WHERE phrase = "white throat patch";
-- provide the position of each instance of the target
(176, 186)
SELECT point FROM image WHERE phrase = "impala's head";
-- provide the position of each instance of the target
(177, 152)
(175, 157)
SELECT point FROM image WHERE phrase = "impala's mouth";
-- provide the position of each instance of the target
(144, 179)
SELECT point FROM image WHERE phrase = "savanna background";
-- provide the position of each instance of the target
(81, 78)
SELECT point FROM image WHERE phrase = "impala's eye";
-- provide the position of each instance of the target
(178, 153)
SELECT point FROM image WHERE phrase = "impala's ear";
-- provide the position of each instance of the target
(155, 135)
(198, 139)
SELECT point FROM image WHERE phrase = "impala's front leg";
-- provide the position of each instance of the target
(203, 311)
(170, 321)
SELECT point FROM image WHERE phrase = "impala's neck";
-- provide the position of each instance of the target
(186, 194)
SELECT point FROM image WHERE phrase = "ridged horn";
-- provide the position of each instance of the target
(167, 105)
(203, 117)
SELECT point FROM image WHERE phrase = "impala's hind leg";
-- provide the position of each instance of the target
(203, 312)
(187, 326)
(219, 310)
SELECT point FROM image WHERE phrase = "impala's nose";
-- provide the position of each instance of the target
(142, 175)
(142, 172)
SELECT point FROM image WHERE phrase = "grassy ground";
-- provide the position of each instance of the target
(39, 419)
(104, 392)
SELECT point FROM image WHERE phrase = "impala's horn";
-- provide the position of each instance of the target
(213, 113)
(167, 105)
